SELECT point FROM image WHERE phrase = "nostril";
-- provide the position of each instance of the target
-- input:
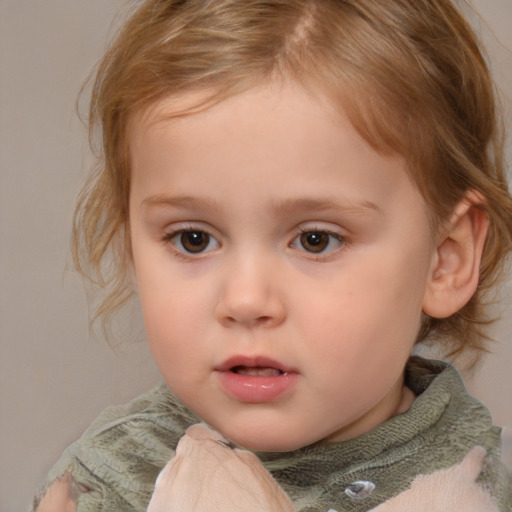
(252, 322)
(254, 308)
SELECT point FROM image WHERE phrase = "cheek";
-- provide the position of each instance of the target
(173, 336)
(164, 296)
(170, 315)
(378, 297)
(177, 314)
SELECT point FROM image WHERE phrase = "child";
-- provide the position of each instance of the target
(300, 191)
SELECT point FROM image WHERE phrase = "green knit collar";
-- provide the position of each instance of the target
(440, 427)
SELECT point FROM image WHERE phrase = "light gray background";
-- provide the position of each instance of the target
(54, 377)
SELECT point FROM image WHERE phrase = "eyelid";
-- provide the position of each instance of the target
(178, 227)
(171, 232)
(328, 228)
(332, 231)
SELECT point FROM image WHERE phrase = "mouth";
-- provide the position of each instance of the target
(257, 371)
(256, 379)
(254, 367)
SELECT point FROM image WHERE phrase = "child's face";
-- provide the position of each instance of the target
(281, 264)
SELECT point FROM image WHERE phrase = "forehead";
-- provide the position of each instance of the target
(280, 114)
(267, 146)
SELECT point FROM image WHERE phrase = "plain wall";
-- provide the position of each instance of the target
(54, 377)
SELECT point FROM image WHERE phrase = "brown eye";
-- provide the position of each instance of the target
(194, 241)
(191, 241)
(314, 241)
(318, 242)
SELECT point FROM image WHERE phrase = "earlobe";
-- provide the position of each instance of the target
(456, 263)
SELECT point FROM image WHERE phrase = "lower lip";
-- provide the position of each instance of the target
(256, 389)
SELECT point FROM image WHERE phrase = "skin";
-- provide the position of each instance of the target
(259, 177)
(253, 173)
(207, 475)
(59, 498)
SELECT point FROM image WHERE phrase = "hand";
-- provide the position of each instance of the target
(61, 496)
(208, 475)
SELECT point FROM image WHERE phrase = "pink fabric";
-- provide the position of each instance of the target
(207, 475)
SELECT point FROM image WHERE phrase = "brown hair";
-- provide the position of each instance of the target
(409, 73)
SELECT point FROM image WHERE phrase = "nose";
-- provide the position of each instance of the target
(251, 296)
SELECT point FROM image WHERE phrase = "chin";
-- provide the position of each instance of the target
(264, 440)
(268, 445)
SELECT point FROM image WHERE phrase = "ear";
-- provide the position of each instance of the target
(456, 262)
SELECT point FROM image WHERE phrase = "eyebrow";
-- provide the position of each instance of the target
(288, 206)
(182, 202)
(278, 207)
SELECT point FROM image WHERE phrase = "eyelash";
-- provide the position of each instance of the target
(172, 237)
(321, 255)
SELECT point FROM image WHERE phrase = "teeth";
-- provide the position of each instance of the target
(257, 371)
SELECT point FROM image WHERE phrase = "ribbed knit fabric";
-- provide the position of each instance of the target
(120, 455)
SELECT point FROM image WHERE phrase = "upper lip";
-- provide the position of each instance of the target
(253, 362)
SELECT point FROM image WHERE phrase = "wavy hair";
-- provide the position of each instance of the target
(410, 74)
